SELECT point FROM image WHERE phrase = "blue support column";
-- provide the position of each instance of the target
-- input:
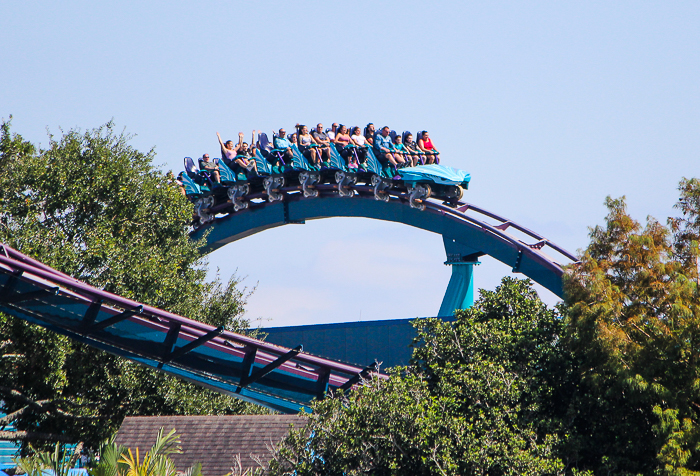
(460, 290)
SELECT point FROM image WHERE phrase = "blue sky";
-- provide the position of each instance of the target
(550, 106)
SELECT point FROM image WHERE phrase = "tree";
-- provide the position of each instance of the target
(609, 384)
(478, 398)
(92, 206)
(634, 316)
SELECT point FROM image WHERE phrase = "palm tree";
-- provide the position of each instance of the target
(60, 462)
(120, 461)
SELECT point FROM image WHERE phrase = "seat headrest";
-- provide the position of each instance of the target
(190, 167)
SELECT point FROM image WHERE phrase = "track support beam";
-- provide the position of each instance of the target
(260, 373)
(362, 375)
(15, 298)
(180, 351)
(115, 319)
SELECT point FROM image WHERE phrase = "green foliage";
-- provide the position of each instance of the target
(120, 461)
(60, 461)
(109, 459)
(465, 405)
(635, 331)
(155, 461)
(92, 206)
(610, 387)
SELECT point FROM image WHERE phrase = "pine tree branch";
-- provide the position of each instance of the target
(33, 435)
(42, 406)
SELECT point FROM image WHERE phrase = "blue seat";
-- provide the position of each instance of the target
(264, 167)
(192, 190)
(227, 175)
(337, 162)
(274, 157)
(373, 165)
(193, 172)
(300, 162)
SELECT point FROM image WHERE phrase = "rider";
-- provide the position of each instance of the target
(245, 158)
(228, 151)
(211, 168)
(342, 141)
(307, 145)
(383, 149)
(323, 141)
(369, 133)
(282, 143)
(426, 145)
(412, 148)
(401, 150)
(361, 142)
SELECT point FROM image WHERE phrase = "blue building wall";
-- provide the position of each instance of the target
(358, 343)
(8, 449)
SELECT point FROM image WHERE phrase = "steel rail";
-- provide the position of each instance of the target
(14, 261)
(459, 210)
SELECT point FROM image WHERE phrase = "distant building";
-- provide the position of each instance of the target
(214, 441)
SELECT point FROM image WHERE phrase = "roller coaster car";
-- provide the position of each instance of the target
(438, 181)
(237, 186)
(337, 169)
(199, 189)
(279, 171)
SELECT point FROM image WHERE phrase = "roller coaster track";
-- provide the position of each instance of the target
(282, 379)
(466, 232)
(285, 380)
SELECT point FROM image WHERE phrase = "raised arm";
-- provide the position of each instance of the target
(221, 142)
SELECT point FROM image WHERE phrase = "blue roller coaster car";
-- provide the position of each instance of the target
(275, 177)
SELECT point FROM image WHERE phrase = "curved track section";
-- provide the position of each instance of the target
(283, 379)
(468, 231)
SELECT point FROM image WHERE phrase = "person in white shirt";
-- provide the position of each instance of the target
(361, 142)
(331, 133)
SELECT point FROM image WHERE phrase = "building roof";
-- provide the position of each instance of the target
(214, 441)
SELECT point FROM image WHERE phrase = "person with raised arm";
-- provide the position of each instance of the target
(228, 150)
(245, 157)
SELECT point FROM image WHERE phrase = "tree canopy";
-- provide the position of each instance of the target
(92, 206)
(468, 404)
(634, 327)
(608, 383)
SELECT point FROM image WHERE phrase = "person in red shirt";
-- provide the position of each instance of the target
(426, 145)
